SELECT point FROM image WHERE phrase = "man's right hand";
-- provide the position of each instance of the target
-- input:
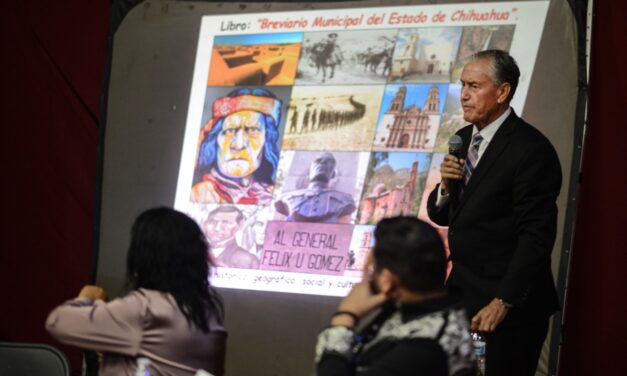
(451, 168)
(360, 301)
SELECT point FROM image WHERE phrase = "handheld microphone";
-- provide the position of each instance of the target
(455, 146)
(455, 149)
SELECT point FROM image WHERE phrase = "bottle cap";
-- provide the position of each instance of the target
(202, 372)
(143, 362)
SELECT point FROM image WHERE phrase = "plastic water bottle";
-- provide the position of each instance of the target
(142, 367)
(478, 343)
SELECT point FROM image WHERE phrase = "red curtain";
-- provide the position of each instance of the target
(52, 64)
(595, 335)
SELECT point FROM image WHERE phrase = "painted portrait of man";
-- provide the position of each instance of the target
(220, 227)
(238, 149)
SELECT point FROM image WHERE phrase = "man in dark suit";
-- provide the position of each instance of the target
(499, 203)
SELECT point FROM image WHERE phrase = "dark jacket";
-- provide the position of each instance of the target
(502, 229)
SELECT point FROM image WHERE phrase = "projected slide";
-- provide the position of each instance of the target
(305, 129)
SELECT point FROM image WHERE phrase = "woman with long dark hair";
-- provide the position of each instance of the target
(171, 315)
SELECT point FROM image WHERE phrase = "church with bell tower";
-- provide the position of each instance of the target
(409, 127)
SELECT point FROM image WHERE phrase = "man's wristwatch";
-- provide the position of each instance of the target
(505, 304)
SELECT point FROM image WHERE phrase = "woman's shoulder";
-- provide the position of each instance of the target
(145, 299)
(156, 303)
(150, 296)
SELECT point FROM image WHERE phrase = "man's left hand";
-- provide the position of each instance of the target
(489, 317)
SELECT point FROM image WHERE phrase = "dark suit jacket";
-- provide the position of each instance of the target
(502, 229)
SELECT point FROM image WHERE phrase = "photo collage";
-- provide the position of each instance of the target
(309, 139)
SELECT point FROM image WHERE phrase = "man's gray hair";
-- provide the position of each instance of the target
(504, 68)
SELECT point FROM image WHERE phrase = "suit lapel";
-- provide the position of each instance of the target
(490, 155)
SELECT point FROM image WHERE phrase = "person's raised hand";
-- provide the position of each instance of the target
(93, 293)
(451, 168)
(360, 301)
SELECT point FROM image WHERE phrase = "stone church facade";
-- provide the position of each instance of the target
(409, 128)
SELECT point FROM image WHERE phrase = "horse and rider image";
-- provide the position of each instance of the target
(346, 57)
(372, 61)
(326, 54)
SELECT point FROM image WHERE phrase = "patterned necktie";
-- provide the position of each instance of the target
(472, 158)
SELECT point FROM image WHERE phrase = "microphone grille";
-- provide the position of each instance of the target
(455, 142)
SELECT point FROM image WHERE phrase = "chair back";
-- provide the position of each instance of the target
(22, 359)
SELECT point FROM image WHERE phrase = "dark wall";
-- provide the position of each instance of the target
(51, 69)
(596, 327)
